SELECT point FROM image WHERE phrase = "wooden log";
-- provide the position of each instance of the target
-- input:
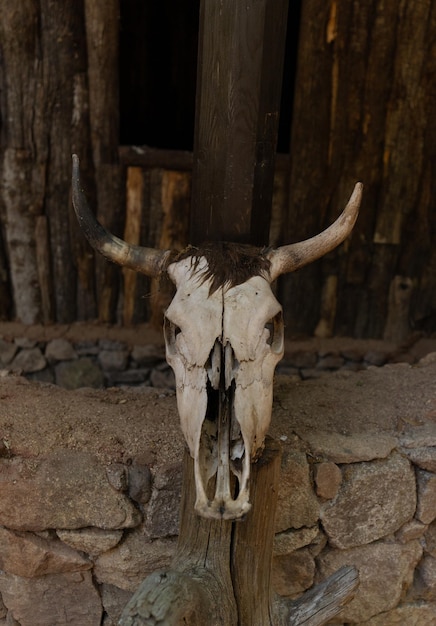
(237, 106)
(208, 580)
(21, 175)
(43, 264)
(175, 192)
(102, 24)
(5, 294)
(132, 233)
(54, 133)
(397, 327)
(355, 122)
(323, 602)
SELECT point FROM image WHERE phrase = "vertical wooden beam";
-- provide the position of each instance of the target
(239, 78)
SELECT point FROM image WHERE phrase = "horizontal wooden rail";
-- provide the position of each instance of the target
(146, 156)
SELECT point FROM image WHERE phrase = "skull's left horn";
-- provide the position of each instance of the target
(292, 257)
(145, 260)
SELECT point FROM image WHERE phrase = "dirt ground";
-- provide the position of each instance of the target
(119, 424)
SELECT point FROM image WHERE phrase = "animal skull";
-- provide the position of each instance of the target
(224, 364)
(223, 342)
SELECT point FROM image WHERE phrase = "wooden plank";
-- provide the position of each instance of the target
(132, 233)
(180, 160)
(238, 99)
(102, 24)
(44, 270)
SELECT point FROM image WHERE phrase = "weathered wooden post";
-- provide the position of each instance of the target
(221, 571)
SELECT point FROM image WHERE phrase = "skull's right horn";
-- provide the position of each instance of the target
(292, 257)
(148, 261)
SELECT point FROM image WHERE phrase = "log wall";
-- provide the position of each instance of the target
(363, 109)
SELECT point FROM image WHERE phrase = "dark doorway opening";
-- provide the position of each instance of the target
(158, 66)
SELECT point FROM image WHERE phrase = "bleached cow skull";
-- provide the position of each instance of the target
(224, 336)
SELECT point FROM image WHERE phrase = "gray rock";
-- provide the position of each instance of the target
(26, 554)
(108, 344)
(426, 509)
(43, 376)
(330, 362)
(113, 360)
(93, 541)
(7, 352)
(351, 448)
(405, 615)
(114, 600)
(411, 530)
(302, 359)
(293, 573)
(164, 505)
(127, 377)
(374, 357)
(25, 342)
(424, 458)
(385, 571)
(148, 355)
(67, 490)
(60, 350)
(117, 476)
(80, 373)
(313, 373)
(163, 379)
(86, 348)
(297, 504)
(29, 360)
(375, 500)
(352, 354)
(422, 436)
(424, 587)
(328, 478)
(140, 483)
(291, 540)
(430, 539)
(133, 559)
(47, 600)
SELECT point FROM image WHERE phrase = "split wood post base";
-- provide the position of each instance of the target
(220, 575)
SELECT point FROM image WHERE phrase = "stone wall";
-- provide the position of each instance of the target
(74, 363)
(89, 501)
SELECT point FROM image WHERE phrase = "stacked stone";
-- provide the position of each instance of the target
(97, 364)
(107, 363)
(76, 537)
(372, 505)
(78, 534)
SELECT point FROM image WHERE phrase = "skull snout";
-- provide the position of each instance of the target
(221, 436)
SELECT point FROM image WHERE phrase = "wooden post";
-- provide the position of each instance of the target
(221, 572)
(239, 78)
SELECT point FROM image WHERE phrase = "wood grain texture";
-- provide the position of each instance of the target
(362, 112)
(237, 108)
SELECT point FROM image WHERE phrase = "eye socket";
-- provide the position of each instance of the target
(276, 333)
(170, 334)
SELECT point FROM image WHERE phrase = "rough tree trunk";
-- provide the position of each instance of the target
(102, 27)
(364, 110)
(40, 76)
(220, 574)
